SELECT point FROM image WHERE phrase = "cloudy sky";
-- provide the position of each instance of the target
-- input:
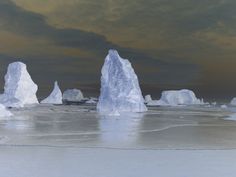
(171, 44)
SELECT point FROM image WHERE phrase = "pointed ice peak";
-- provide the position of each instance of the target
(113, 56)
(55, 97)
(56, 86)
(113, 52)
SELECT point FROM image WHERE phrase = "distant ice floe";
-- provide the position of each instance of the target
(73, 95)
(148, 98)
(19, 89)
(233, 102)
(55, 97)
(120, 91)
(224, 106)
(4, 112)
(175, 98)
(91, 100)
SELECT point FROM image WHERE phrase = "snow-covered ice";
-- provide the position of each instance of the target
(101, 162)
(19, 89)
(120, 91)
(177, 97)
(4, 112)
(55, 97)
(74, 95)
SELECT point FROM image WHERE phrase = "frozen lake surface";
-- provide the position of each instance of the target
(75, 141)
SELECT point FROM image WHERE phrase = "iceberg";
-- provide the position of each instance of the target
(224, 106)
(148, 98)
(176, 97)
(4, 112)
(19, 89)
(74, 95)
(55, 97)
(233, 102)
(120, 91)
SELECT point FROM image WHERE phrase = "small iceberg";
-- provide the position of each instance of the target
(233, 102)
(55, 97)
(223, 106)
(147, 98)
(175, 98)
(91, 100)
(72, 95)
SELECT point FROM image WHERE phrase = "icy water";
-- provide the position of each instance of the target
(159, 128)
(75, 141)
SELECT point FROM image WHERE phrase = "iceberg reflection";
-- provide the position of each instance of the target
(121, 129)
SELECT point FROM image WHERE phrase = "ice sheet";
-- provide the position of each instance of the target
(161, 128)
(92, 162)
(72, 141)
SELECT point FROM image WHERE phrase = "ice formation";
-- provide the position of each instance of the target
(19, 88)
(177, 97)
(223, 106)
(148, 98)
(74, 95)
(55, 97)
(233, 101)
(120, 91)
(91, 100)
(4, 112)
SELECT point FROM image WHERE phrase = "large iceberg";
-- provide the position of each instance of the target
(55, 97)
(120, 91)
(4, 112)
(73, 95)
(177, 97)
(19, 88)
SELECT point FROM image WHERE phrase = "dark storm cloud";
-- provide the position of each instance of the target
(17, 20)
(205, 15)
(20, 21)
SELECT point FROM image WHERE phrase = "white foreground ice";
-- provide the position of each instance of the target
(176, 97)
(19, 89)
(102, 162)
(74, 95)
(120, 91)
(4, 112)
(55, 97)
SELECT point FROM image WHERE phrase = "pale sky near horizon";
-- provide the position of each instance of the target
(171, 44)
